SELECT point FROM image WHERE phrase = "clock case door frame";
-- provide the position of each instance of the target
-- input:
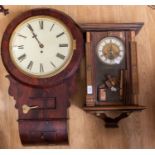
(95, 39)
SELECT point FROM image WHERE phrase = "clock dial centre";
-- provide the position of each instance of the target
(111, 51)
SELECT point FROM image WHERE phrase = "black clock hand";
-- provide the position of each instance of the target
(35, 36)
(111, 56)
(40, 44)
(110, 45)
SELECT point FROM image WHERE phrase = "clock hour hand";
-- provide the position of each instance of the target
(110, 51)
(110, 45)
(35, 36)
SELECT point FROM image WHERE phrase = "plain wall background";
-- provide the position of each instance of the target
(85, 130)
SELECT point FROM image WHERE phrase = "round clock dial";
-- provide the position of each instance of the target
(41, 46)
(110, 50)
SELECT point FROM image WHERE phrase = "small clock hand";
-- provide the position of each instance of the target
(111, 55)
(35, 36)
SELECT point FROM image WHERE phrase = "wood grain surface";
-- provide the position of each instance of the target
(85, 130)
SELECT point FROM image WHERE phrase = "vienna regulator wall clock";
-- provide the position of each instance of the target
(111, 71)
(41, 50)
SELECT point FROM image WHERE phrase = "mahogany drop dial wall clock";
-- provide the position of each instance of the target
(111, 70)
(41, 50)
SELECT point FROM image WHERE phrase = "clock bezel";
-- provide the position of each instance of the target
(47, 81)
(59, 69)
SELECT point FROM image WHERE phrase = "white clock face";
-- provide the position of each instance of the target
(111, 50)
(41, 46)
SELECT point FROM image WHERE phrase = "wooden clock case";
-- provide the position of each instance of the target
(48, 122)
(114, 108)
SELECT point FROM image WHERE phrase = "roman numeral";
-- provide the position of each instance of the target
(41, 24)
(60, 34)
(41, 68)
(63, 45)
(22, 36)
(20, 47)
(51, 27)
(52, 64)
(30, 65)
(60, 56)
(30, 27)
(22, 57)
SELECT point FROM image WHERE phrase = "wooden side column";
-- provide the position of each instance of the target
(135, 87)
(90, 100)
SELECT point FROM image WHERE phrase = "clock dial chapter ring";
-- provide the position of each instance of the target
(110, 50)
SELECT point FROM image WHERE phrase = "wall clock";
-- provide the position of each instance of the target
(41, 50)
(111, 71)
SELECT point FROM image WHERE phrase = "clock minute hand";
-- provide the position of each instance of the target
(40, 44)
(35, 36)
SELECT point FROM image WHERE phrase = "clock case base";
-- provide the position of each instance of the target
(112, 112)
(120, 111)
(48, 122)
